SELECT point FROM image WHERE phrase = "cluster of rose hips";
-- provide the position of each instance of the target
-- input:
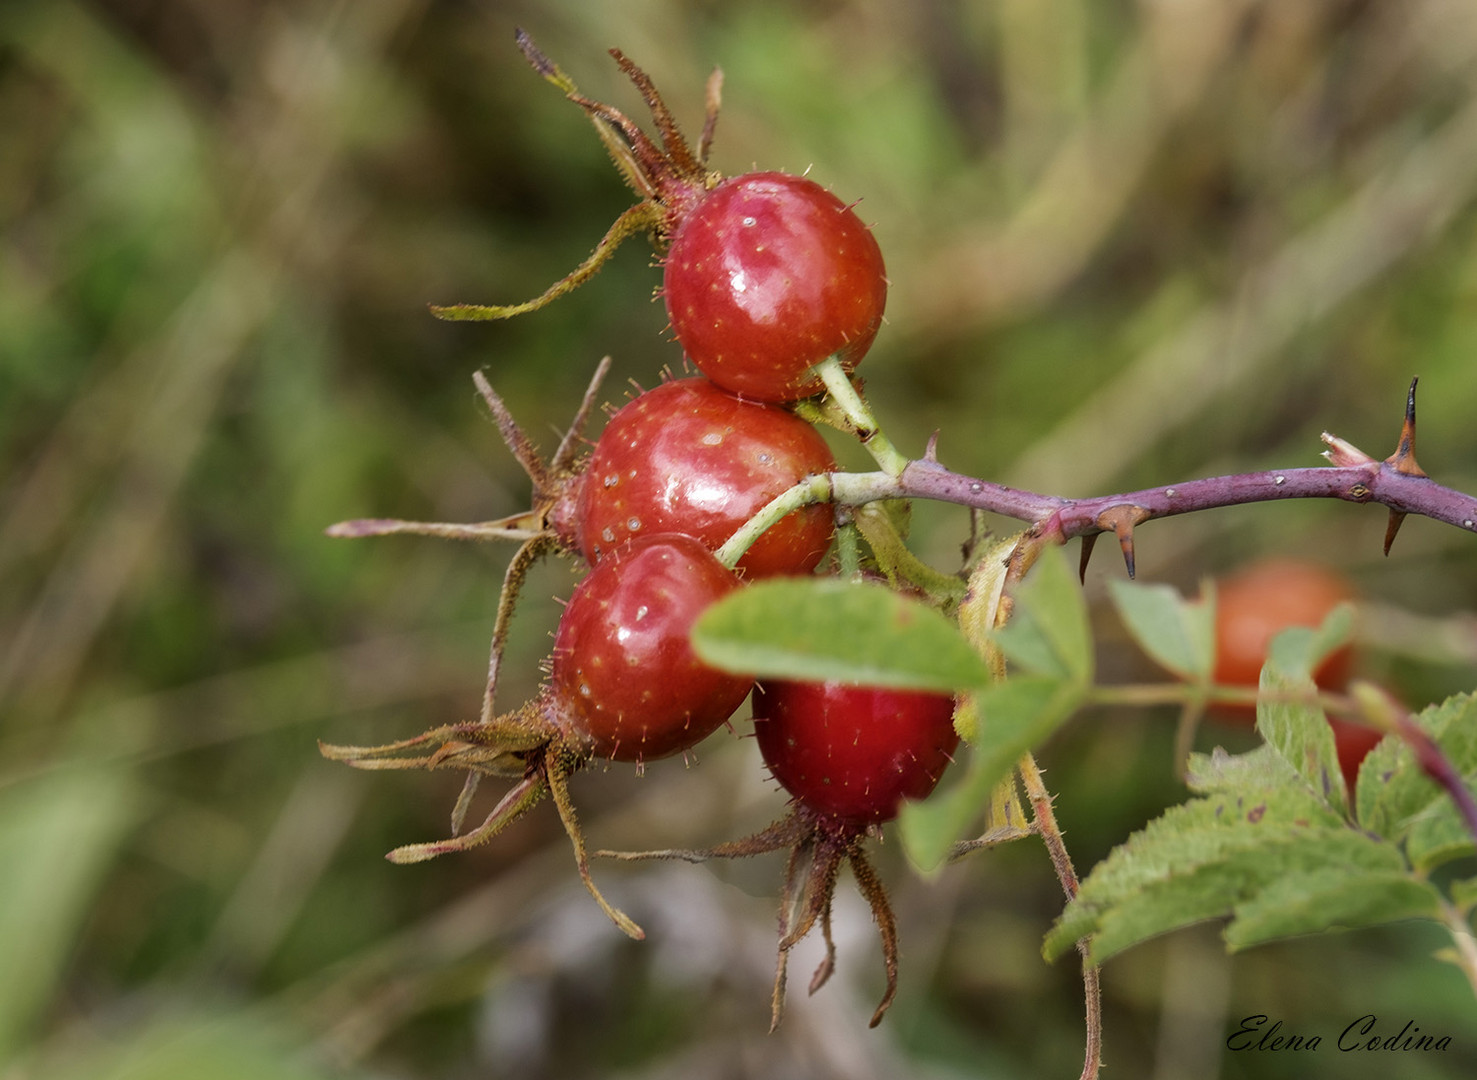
(766, 276)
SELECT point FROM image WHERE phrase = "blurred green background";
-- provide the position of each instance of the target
(1130, 242)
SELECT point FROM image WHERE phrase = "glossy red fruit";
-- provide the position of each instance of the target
(853, 752)
(624, 681)
(1256, 604)
(687, 457)
(766, 276)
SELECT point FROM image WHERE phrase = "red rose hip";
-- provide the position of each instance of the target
(625, 682)
(687, 457)
(853, 752)
(768, 275)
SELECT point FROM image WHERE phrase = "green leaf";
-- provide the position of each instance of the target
(1262, 769)
(1176, 633)
(1048, 632)
(1464, 894)
(829, 629)
(1198, 860)
(58, 834)
(1015, 716)
(1311, 901)
(1298, 730)
(1393, 791)
(1438, 837)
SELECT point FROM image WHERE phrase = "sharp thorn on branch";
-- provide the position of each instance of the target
(1397, 518)
(1089, 541)
(1403, 459)
(1120, 520)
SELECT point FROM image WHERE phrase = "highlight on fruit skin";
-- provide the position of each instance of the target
(764, 275)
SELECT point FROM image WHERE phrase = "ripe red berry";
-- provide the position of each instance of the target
(853, 752)
(768, 275)
(1256, 604)
(687, 457)
(624, 681)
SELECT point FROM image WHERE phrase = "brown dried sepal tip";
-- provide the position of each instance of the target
(818, 845)
(526, 744)
(670, 178)
(546, 526)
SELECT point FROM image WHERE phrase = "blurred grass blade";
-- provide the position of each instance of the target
(58, 834)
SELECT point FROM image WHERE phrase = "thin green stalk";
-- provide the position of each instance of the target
(859, 414)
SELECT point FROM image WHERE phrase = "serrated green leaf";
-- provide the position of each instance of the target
(1158, 869)
(1239, 875)
(828, 629)
(1048, 633)
(1393, 791)
(1464, 894)
(1311, 901)
(1177, 633)
(1015, 716)
(57, 835)
(1262, 769)
(1298, 730)
(1438, 836)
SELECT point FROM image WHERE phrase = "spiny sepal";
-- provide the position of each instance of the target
(670, 178)
(818, 845)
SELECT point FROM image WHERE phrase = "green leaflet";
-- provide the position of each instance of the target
(1393, 793)
(1176, 633)
(1015, 716)
(1298, 730)
(828, 629)
(1048, 638)
(1208, 858)
(1048, 632)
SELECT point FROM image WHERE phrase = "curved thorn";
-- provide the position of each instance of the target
(1397, 518)
(1089, 541)
(1403, 459)
(1120, 520)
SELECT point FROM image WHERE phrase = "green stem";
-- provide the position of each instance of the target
(852, 489)
(859, 414)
